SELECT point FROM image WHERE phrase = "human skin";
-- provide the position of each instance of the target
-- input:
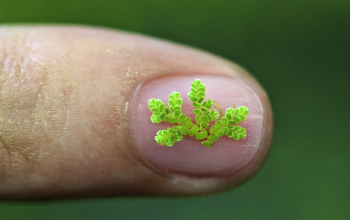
(74, 121)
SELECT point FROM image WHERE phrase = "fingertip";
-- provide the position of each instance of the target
(91, 138)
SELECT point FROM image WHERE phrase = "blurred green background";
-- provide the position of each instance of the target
(298, 50)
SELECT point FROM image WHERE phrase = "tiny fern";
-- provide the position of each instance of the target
(204, 117)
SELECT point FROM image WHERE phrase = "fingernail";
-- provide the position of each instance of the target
(189, 156)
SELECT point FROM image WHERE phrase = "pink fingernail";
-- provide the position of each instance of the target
(189, 156)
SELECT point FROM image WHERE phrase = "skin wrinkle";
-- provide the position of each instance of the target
(68, 94)
(42, 83)
(21, 92)
(99, 133)
(4, 160)
(8, 68)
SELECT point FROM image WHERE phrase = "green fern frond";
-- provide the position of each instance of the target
(204, 115)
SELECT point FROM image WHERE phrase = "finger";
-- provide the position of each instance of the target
(74, 120)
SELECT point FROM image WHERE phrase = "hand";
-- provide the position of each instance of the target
(74, 120)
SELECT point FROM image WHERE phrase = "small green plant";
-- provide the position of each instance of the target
(226, 125)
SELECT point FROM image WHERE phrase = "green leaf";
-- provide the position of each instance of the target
(198, 120)
(226, 130)
(242, 117)
(162, 136)
(214, 114)
(163, 132)
(240, 131)
(189, 122)
(151, 103)
(184, 129)
(177, 127)
(159, 139)
(212, 129)
(177, 108)
(201, 135)
(182, 119)
(155, 119)
(178, 102)
(204, 119)
(224, 121)
(158, 102)
(213, 138)
(197, 82)
(236, 119)
(208, 104)
(173, 120)
(218, 124)
(161, 116)
(177, 113)
(219, 133)
(193, 99)
(171, 103)
(201, 89)
(201, 94)
(176, 95)
(179, 136)
(171, 141)
(197, 112)
(207, 143)
(194, 130)
(232, 122)
(161, 107)
(168, 117)
(236, 129)
(196, 105)
(203, 126)
(166, 110)
(171, 131)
